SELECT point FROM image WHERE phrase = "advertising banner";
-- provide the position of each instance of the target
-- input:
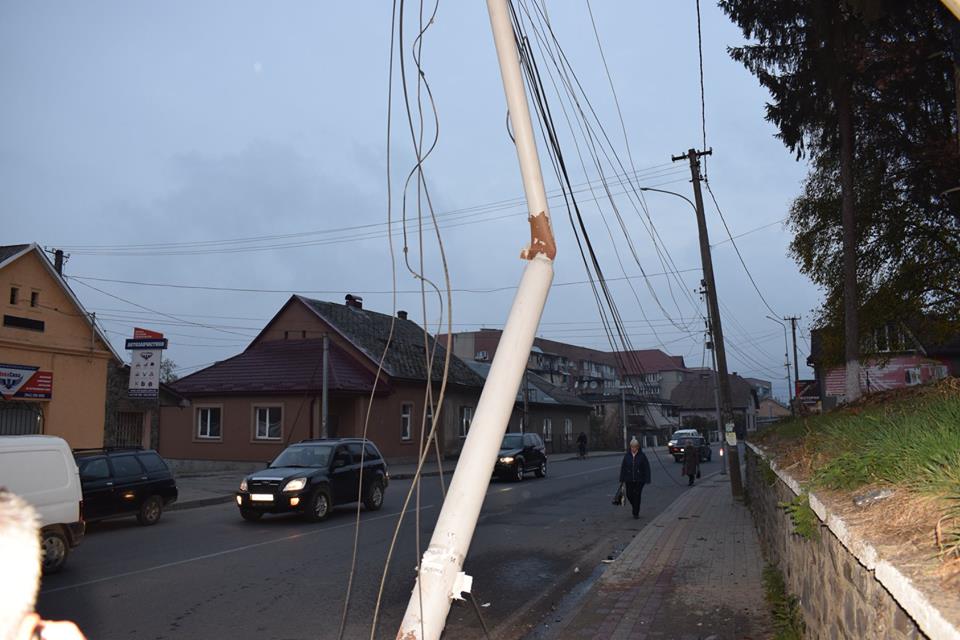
(20, 381)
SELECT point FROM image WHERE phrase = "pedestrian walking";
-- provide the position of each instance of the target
(691, 459)
(634, 473)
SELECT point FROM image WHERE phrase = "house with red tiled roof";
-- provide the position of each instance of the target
(249, 407)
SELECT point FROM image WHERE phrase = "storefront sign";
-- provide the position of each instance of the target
(19, 381)
(147, 347)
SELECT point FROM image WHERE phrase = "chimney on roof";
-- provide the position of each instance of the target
(354, 301)
(58, 261)
(402, 314)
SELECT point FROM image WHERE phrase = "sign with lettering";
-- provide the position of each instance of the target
(147, 347)
(20, 381)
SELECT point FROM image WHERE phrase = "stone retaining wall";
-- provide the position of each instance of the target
(839, 596)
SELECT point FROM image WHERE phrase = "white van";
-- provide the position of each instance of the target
(42, 471)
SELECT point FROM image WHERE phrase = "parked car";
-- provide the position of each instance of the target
(519, 454)
(687, 444)
(125, 481)
(313, 476)
(42, 471)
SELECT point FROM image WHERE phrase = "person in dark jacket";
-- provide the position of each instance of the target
(634, 473)
(691, 459)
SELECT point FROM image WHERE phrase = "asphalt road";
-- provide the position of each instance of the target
(205, 573)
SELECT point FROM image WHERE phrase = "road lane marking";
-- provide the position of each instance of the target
(217, 554)
(569, 475)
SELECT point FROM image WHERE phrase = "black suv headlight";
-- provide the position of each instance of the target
(297, 484)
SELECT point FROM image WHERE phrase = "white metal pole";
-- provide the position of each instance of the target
(441, 578)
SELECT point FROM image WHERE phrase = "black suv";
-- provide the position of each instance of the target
(521, 453)
(123, 482)
(313, 476)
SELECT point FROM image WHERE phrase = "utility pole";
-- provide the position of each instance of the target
(796, 363)
(440, 576)
(324, 395)
(726, 401)
(526, 400)
(623, 413)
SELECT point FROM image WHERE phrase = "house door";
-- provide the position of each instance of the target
(20, 418)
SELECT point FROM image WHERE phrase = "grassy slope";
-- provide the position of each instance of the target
(907, 439)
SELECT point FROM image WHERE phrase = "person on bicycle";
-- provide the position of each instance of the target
(582, 444)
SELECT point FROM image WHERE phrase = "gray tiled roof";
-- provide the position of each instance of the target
(697, 393)
(540, 391)
(9, 250)
(368, 330)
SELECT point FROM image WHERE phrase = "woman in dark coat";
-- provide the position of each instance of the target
(634, 473)
(691, 460)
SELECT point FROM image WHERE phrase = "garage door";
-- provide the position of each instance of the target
(20, 418)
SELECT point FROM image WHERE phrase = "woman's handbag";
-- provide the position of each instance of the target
(618, 496)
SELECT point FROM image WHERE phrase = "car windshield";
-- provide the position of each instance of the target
(303, 456)
(512, 441)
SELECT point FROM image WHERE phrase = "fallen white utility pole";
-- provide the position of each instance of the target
(441, 577)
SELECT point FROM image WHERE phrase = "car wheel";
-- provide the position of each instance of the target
(518, 472)
(374, 499)
(318, 508)
(250, 515)
(55, 551)
(541, 471)
(150, 511)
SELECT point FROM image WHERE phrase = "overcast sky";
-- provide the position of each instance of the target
(145, 123)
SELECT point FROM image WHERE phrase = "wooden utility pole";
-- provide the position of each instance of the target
(324, 390)
(796, 363)
(716, 328)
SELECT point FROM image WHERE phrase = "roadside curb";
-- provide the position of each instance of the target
(611, 570)
(404, 475)
(203, 502)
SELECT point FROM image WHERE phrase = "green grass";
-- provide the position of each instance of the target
(787, 619)
(909, 440)
(806, 523)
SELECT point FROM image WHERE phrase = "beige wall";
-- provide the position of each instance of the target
(67, 346)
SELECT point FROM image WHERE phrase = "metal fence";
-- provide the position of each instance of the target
(20, 418)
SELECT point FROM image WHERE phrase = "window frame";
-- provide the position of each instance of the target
(466, 420)
(406, 421)
(548, 429)
(256, 422)
(197, 435)
(14, 295)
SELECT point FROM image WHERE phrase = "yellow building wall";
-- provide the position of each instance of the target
(67, 346)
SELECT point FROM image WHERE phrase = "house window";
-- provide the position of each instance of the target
(208, 423)
(269, 423)
(429, 417)
(14, 295)
(34, 298)
(547, 430)
(406, 416)
(466, 417)
(913, 376)
(568, 429)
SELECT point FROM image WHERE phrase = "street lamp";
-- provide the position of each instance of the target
(786, 358)
(672, 193)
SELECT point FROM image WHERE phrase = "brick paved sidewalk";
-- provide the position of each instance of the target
(694, 572)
